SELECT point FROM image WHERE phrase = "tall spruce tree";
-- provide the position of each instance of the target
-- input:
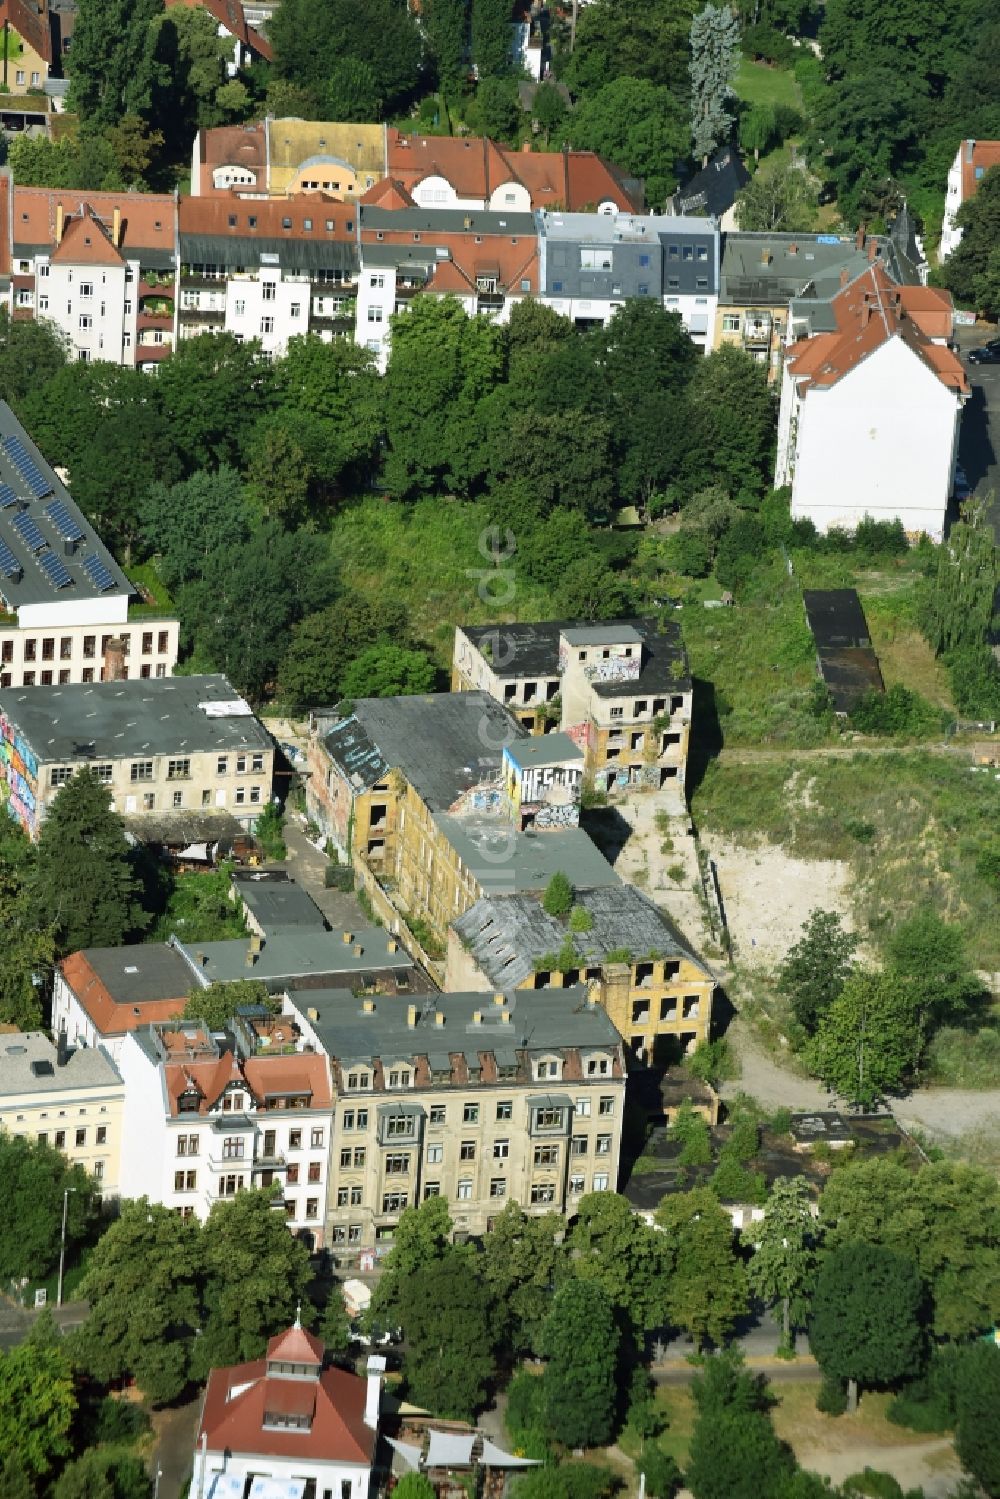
(715, 50)
(84, 883)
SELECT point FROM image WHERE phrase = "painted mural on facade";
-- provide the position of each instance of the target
(19, 774)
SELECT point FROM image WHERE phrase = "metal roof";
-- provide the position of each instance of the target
(505, 861)
(276, 902)
(295, 955)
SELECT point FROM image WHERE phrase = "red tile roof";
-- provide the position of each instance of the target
(212, 216)
(147, 219)
(296, 1346)
(31, 22)
(85, 241)
(231, 15)
(869, 312)
(235, 1422)
(984, 154)
(265, 1077)
(231, 145)
(109, 1017)
(388, 194)
(511, 259)
(476, 166)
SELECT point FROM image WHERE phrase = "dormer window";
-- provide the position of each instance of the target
(400, 1077)
(189, 1101)
(548, 1069)
(357, 1082)
(599, 1066)
(234, 1102)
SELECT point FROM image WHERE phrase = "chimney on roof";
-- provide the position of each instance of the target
(116, 226)
(859, 238)
(499, 999)
(970, 148)
(312, 1013)
(844, 278)
(411, 1016)
(392, 945)
(793, 249)
(256, 943)
(368, 1006)
(60, 216)
(348, 937)
(866, 313)
(359, 951)
(872, 251)
(477, 1017)
(373, 1393)
(765, 256)
(115, 669)
(439, 1017)
(527, 147)
(467, 222)
(251, 956)
(62, 1048)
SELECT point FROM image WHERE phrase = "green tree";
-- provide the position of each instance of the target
(730, 417)
(742, 547)
(706, 1286)
(590, 590)
(35, 1179)
(866, 1321)
(447, 23)
(558, 897)
(113, 60)
(868, 126)
(30, 354)
(816, 969)
(83, 883)
(929, 952)
(39, 1403)
(757, 128)
(632, 39)
(336, 383)
(783, 1265)
(491, 38)
(569, 463)
(104, 1474)
(447, 1322)
(311, 41)
(498, 109)
(609, 1246)
(548, 109)
(647, 360)
(87, 163)
(256, 1275)
(580, 1340)
(977, 1401)
(518, 1264)
(946, 1218)
(26, 944)
(959, 606)
(636, 124)
(352, 91)
(334, 1324)
(186, 523)
(323, 646)
(217, 1003)
(778, 198)
(415, 1486)
(869, 1041)
(134, 145)
(389, 671)
(422, 1237)
(715, 55)
(203, 382)
(736, 1455)
(660, 1470)
(143, 1283)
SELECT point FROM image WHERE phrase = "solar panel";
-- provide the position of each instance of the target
(10, 565)
(7, 497)
(68, 528)
(27, 528)
(55, 569)
(98, 573)
(27, 467)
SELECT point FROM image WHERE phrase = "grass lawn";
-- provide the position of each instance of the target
(910, 823)
(677, 1404)
(759, 83)
(428, 554)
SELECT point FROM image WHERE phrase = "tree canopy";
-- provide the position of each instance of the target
(866, 1322)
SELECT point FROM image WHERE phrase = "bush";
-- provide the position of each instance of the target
(898, 713)
(988, 863)
(873, 1484)
(691, 1131)
(960, 1058)
(713, 1062)
(119, 1421)
(732, 1182)
(690, 553)
(831, 1398)
(881, 538)
(742, 547)
(663, 1477)
(920, 1415)
(338, 877)
(525, 1414)
(975, 681)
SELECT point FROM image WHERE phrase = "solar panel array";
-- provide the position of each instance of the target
(100, 575)
(68, 528)
(55, 569)
(10, 565)
(26, 467)
(29, 531)
(7, 497)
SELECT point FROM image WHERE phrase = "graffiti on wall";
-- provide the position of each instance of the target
(614, 669)
(567, 816)
(19, 774)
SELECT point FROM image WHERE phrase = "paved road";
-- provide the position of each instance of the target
(979, 444)
(307, 866)
(17, 1321)
(173, 1454)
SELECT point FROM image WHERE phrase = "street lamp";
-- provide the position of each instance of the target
(62, 1245)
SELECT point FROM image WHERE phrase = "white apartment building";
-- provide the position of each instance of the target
(67, 611)
(871, 407)
(973, 160)
(207, 1117)
(70, 1099)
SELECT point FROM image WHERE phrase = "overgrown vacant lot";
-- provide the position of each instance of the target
(911, 824)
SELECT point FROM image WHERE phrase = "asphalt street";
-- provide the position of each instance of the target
(979, 443)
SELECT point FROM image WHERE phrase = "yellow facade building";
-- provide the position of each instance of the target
(71, 1100)
(324, 156)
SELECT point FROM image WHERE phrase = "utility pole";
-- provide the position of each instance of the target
(62, 1245)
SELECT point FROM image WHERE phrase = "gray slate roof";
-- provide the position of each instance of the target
(443, 743)
(302, 955)
(116, 720)
(505, 935)
(29, 1064)
(528, 650)
(800, 265)
(34, 587)
(546, 1019)
(714, 188)
(276, 902)
(508, 862)
(140, 974)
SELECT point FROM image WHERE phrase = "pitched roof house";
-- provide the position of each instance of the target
(870, 406)
(287, 1417)
(973, 160)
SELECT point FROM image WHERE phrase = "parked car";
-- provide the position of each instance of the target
(988, 354)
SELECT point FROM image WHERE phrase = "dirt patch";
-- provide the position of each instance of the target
(768, 896)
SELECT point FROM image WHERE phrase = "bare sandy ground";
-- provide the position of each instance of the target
(768, 896)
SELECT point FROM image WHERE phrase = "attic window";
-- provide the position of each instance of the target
(232, 221)
(86, 239)
(286, 223)
(157, 224)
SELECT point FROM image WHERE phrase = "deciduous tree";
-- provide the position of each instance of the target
(706, 1285)
(323, 645)
(491, 38)
(869, 1041)
(35, 1179)
(580, 1339)
(777, 198)
(977, 1401)
(448, 1324)
(783, 1265)
(637, 124)
(39, 1403)
(388, 670)
(866, 1321)
(959, 607)
(186, 523)
(217, 1003)
(113, 60)
(519, 1264)
(609, 1246)
(816, 969)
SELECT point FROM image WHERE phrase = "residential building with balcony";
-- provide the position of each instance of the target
(207, 1116)
(268, 270)
(100, 995)
(621, 691)
(591, 264)
(762, 273)
(69, 1098)
(100, 266)
(973, 160)
(871, 405)
(160, 746)
(486, 260)
(67, 611)
(482, 1100)
(657, 993)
